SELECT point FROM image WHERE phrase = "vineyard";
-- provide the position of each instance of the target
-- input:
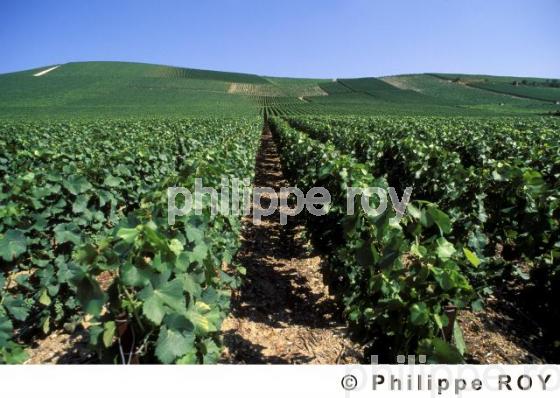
(84, 231)
(85, 240)
(496, 187)
(88, 151)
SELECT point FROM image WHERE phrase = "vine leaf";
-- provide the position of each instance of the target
(172, 344)
(12, 244)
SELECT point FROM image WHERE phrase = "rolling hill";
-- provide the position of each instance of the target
(464, 95)
(125, 89)
(522, 87)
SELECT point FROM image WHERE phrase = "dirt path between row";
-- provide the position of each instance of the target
(283, 313)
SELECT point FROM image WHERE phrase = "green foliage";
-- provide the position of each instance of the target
(169, 293)
(66, 186)
(396, 279)
(10, 351)
(497, 179)
(12, 244)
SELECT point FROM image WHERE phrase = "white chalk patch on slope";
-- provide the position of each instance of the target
(44, 72)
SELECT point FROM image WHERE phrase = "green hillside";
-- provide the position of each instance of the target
(374, 96)
(421, 95)
(123, 89)
(334, 87)
(523, 87)
(298, 87)
(459, 93)
(380, 90)
(140, 70)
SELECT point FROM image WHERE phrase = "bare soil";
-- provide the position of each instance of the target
(502, 334)
(63, 348)
(283, 313)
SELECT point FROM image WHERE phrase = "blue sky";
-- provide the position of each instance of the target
(317, 38)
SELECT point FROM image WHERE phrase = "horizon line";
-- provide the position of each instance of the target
(283, 76)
